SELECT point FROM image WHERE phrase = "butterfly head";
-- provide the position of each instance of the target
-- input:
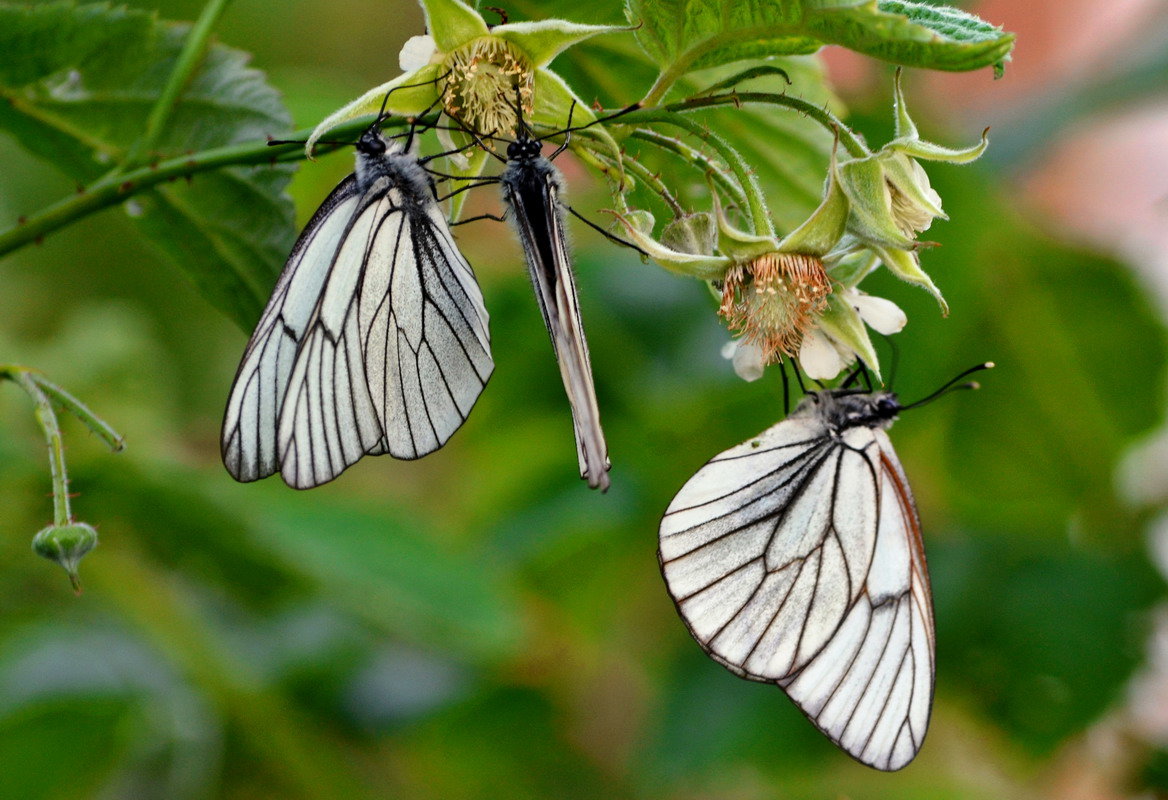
(843, 409)
(523, 149)
(372, 143)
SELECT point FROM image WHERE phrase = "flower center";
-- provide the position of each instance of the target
(773, 300)
(489, 81)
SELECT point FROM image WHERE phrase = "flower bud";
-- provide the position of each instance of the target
(66, 545)
(692, 233)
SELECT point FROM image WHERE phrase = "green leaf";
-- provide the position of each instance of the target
(916, 35)
(76, 86)
(683, 35)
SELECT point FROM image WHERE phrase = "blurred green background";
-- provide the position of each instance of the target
(480, 625)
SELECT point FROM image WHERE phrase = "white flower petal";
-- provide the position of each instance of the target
(748, 361)
(746, 357)
(416, 53)
(818, 357)
(882, 316)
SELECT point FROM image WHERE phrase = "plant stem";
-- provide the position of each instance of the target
(184, 67)
(112, 189)
(693, 156)
(829, 121)
(47, 419)
(96, 424)
(653, 182)
(755, 202)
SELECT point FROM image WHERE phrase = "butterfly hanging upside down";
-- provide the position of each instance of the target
(796, 558)
(375, 338)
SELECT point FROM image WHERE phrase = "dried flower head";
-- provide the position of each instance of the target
(485, 79)
(774, 299)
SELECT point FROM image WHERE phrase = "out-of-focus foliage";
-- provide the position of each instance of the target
(477, 624)
(79, 83)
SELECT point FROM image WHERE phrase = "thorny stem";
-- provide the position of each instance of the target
(44, 394)
(829, 121)
(47, 419)
(755, 202)
(188, 61)
(111, 189)
(653, 181)
(693, 156)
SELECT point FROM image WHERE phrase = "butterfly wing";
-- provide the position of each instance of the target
(257, 395)
(426, 340)
(534, 197)
(397, 350)
(796, 559)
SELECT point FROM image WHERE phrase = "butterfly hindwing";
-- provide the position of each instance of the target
(257, 396)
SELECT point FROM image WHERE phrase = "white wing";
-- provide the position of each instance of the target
(397, 350)
(253, 409)
(796, 559)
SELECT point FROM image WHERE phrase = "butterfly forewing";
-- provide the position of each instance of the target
(533, 194)
(796, 558)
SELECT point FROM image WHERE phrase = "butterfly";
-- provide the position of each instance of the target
(375, 339)
(796, 558)
(532, 188)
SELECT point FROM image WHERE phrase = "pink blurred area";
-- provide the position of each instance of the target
(1103, 181)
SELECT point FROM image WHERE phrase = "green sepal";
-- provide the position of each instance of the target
(542, 41)
(850, 269)
(842, 322)
(741, 246)
(905, 265)
(823, 229)
(916, 148)
(709, 268)
(476, 162)
(871, 220)
(414, 100)
(453, 23)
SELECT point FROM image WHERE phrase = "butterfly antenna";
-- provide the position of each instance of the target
(381, 115)
(786, 389)
(952, 385)
(799, 377)
(571, 129)
(417, 118)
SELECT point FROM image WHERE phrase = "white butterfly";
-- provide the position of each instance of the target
(532, 188)
(375, 339)
(796, 558)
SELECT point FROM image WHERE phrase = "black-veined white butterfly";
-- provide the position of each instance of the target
(375, 339)
(796, 558)
(532, 188)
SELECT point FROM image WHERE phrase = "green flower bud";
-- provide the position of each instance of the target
(692, 233)
(66, 545)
